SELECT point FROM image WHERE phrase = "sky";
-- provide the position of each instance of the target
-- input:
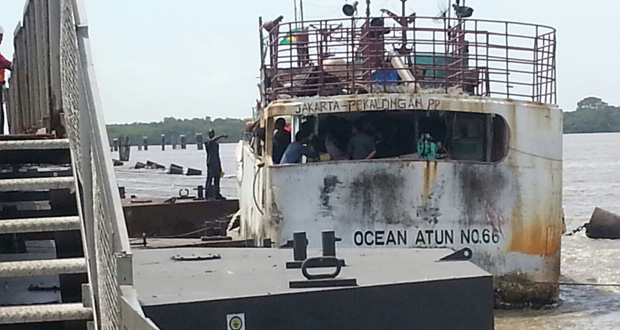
(197, 58)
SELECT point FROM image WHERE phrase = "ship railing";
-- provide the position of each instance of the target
(424, 55)
(53, 89)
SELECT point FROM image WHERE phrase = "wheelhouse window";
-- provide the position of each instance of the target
(410, 135)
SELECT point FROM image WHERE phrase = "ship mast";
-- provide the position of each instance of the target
(301, 12)
(295, 8)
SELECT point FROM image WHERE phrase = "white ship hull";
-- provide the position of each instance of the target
(508, 212)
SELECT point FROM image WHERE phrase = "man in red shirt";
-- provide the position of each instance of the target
(4, 65)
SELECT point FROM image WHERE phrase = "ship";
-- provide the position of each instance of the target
(466, 131)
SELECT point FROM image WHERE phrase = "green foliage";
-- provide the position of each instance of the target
(593, 115)
(173, 127)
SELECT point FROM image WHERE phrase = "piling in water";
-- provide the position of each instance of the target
(193, 171)
(175, 169)
(125, 149)
(199, 141)
(183, 142)
(139, 165)
(163, 142)
(154, 165)
(114, 144)
(145, 142)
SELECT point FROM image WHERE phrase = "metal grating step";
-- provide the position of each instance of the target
(31, 184)
(44, 313)
(35, 225)
(50, 144)
(42, 267)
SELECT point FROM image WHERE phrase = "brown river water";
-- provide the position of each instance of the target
(591, 178)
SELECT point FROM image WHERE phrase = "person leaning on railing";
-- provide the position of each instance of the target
(4, 65)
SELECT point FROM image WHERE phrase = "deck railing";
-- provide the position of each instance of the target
(53, 89)
(419, 54)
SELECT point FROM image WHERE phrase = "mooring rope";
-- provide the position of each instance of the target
(611, 285)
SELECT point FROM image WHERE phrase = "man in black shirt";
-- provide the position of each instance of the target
(214, 166)
(281, 139)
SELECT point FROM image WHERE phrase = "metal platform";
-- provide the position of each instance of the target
(397, 289)
(158, 218)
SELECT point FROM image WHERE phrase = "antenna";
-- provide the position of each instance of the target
(295, 7)
(301, 12)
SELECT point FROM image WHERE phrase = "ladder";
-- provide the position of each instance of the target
(41, 254)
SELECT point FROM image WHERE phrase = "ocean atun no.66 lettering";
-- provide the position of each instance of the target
(426, 237)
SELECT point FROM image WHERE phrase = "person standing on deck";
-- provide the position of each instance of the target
(4, 65)
(361, 146)
(214, 166)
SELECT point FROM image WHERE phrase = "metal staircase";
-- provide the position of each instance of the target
(65, 257)
(45, 210)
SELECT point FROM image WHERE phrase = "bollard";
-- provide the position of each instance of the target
(201, 192)
(300, 244)
(145, 142)
(328, 241)
(267, 242)
(163, 142)
(199, 141)
(115, 144)
(183, 141)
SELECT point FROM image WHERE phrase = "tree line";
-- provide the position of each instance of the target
(173, 127)
(592, 115)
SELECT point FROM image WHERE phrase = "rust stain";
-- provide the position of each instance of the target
(426, 188)
(554, 239)
(528, 239)
(534, 236)
(530, 229)
(430, 176)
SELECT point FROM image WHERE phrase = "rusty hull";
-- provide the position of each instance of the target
(509, 212)
(158, 219)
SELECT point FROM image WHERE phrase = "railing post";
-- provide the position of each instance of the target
(84, 172)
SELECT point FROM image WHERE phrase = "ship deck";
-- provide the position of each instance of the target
(255, 282)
